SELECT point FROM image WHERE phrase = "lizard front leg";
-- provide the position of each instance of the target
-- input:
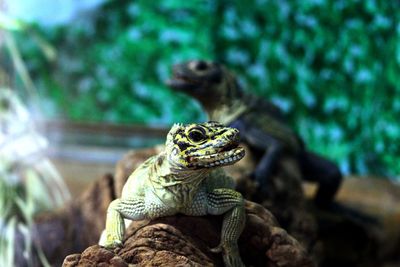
(230, 203)
(267, 163)
(130, 208)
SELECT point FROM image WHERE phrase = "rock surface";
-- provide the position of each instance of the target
(185, 241)
(355, 236)
(341, 240)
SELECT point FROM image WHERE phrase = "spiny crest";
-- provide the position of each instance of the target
(176, 127)
(230, 88)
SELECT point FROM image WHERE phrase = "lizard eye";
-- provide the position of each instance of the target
(201, 65)
(198, 65)
(197, 135)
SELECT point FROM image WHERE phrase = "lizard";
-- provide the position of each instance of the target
(262, 125)
(185, 178)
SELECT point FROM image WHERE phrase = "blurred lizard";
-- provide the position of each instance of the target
(260, 123)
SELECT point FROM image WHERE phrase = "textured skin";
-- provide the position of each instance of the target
(185, 179)
(261, 124)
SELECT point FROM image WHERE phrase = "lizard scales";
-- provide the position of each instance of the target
(185, 178)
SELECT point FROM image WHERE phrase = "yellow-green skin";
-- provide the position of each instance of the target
(185, 179)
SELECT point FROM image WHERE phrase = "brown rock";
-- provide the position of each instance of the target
(342, 240)
(185, 241)
(72, 260)
(95, 256)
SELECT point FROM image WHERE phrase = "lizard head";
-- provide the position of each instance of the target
(203, 145)
(209, 82)
(195, 76)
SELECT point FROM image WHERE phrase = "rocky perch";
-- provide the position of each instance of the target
(185, 241)
(340, 239)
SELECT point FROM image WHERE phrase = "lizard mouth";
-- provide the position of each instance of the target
(228, 155)
(182, 81)
(229, 147)
(193, 75)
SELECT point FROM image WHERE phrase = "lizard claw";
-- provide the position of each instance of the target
(217, 249)
(230, 255)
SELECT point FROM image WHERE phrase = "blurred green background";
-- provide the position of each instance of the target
(333, 66)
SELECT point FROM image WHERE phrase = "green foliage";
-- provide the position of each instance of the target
(112, 66)
(21, 197)
(332, 65)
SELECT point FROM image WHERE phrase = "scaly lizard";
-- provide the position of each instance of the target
(260, 123)
(185, 178)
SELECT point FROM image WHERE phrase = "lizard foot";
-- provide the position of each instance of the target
(230, 255)
(217, 249)
(110, 242)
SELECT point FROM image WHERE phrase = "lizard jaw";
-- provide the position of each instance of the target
(182, 82)
(193, 75)
(220, 159)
